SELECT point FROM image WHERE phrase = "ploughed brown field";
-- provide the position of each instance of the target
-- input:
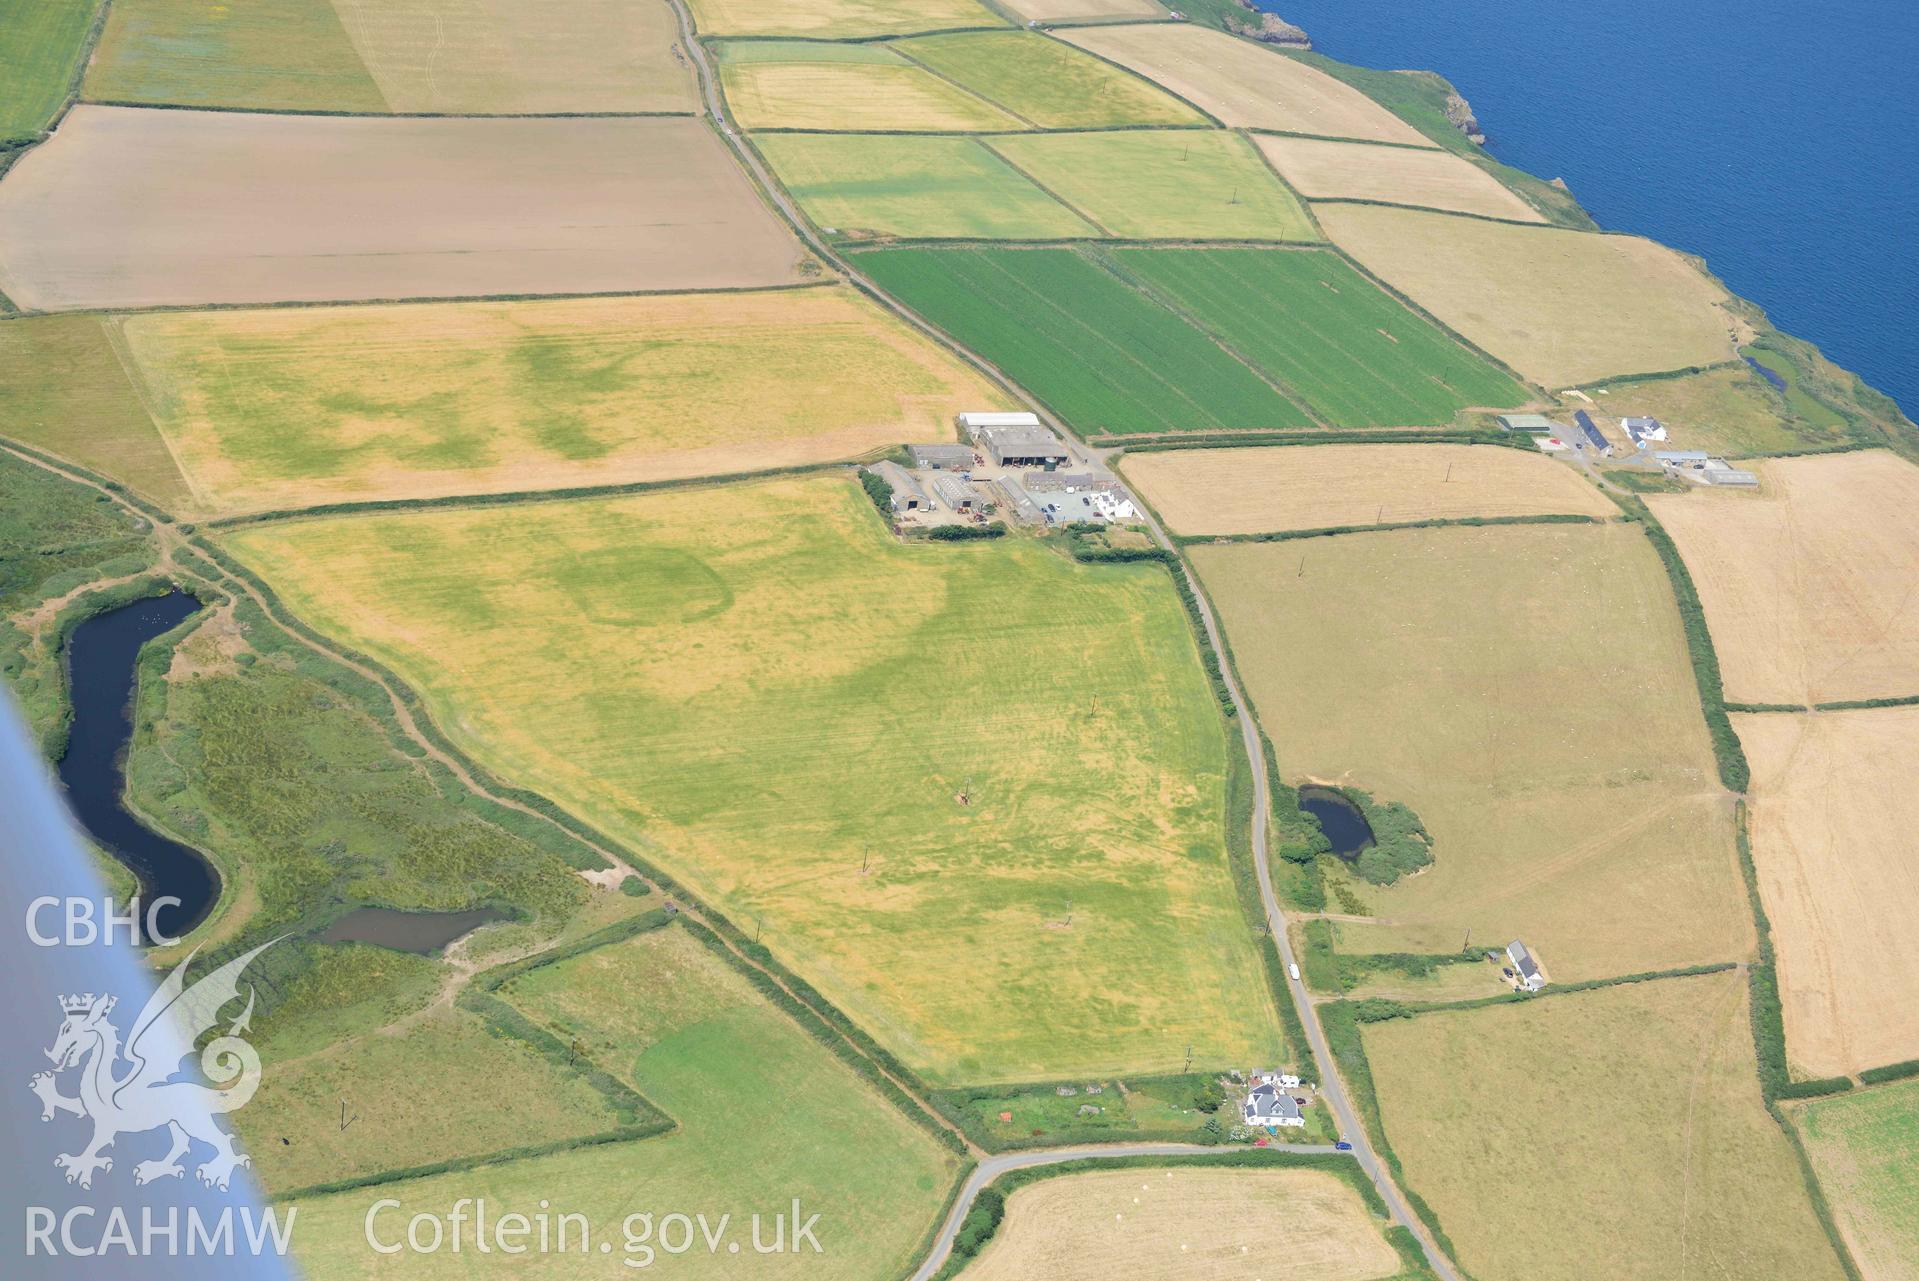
(133, 208)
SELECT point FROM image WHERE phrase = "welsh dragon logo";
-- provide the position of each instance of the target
(138, 1087)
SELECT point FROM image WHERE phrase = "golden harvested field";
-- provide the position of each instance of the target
(1622, 1125)
(1808, 584)
(878, 96)
(1834, 813)
(1245, 84)
(1322, 170)
(1256, 491)
(1561, 307)
(126, 207)
(1525, 689)
(291, 407)
(1193, 1224)
(1865, 1145)
(761, 689)
(836, 19)
(1084, 10)
(509, 56)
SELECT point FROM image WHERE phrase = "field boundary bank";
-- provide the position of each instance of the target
(421, 300)
(1373, 1009)
(509, 498)
(1389, 527)
(131, 104)
(1432, 209)
(1120, 446)
(991, 1197)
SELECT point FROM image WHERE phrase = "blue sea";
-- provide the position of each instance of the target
(1779, 141)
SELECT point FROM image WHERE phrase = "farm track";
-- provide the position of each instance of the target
(1331, 1084)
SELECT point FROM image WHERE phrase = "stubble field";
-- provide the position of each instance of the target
(1194, 1224)
(1046, 81)
(873, 185)
(1149, 184)
(837, 19)
(1865, 1146)
(1833, 817)
(293, 407)
(1321, 170)
(669, 1018)
(1525, 690)
(1561, 307)
(466, 56)
(837, 86)
(1084, 10)
(127, 207)
(974, 794)
(1808, 584)
(1256, 491)
(1245, 84)
(1622, 1125)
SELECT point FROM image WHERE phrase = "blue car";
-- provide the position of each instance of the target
(1342, 1146)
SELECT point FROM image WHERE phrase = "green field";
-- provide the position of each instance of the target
(1047, 81)
(1622, 1126)
(40, 46)
(873, 185)
(1103, 356)
(289, 55)
(65, 390)
(1173, 184)
(1354, 353)
(760, 689)
(765, 1114)
(1865, 1146)
(878, 91)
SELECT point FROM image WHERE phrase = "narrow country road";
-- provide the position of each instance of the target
(1331, 1087)
(994, 1166)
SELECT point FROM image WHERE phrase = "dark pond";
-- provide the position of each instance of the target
(422, 932)
(100, 673)
(1345, 826)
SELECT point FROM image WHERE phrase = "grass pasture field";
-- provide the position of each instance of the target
(1320, 169)
(290, 407)
(1561, 307)
(1525, 689)
(840, 86)
(1243, 84)
(1865, 1146)
(1046, 81)
(1152, 184)
(268, 55)
(125, 207)
(669, 1018)
(1256, 491)
(1195, 1224)
(693, 671)
(1103, 356)
(41, 42)
(64, 390)
(837, 19)
(871, 185)
(1623, 1124)
(1351, 351)
(1725, 410)
(464, 56)
(417, 1096)
(1807, 584)
(1832, 823)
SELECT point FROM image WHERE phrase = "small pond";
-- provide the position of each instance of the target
(1342, 821)
(422, 932)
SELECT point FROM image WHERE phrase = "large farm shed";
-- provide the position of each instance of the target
(1022, 446)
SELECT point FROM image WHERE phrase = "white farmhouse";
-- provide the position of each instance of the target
(1524, 966)
(1268, 1105)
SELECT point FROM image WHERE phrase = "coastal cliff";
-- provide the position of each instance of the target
(1460, 112)
(1271, 28)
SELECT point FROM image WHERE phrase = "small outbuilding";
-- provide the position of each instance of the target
(942, 457)
(1524, 966)
(1529, 424)
(908, 496)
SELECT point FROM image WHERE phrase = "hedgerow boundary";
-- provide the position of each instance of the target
(982, 1223)
(1436, 522)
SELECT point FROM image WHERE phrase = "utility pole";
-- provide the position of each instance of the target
(1189, 1059)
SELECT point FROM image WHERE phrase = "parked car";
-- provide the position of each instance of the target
(1342, 1146)
(1294, 971)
